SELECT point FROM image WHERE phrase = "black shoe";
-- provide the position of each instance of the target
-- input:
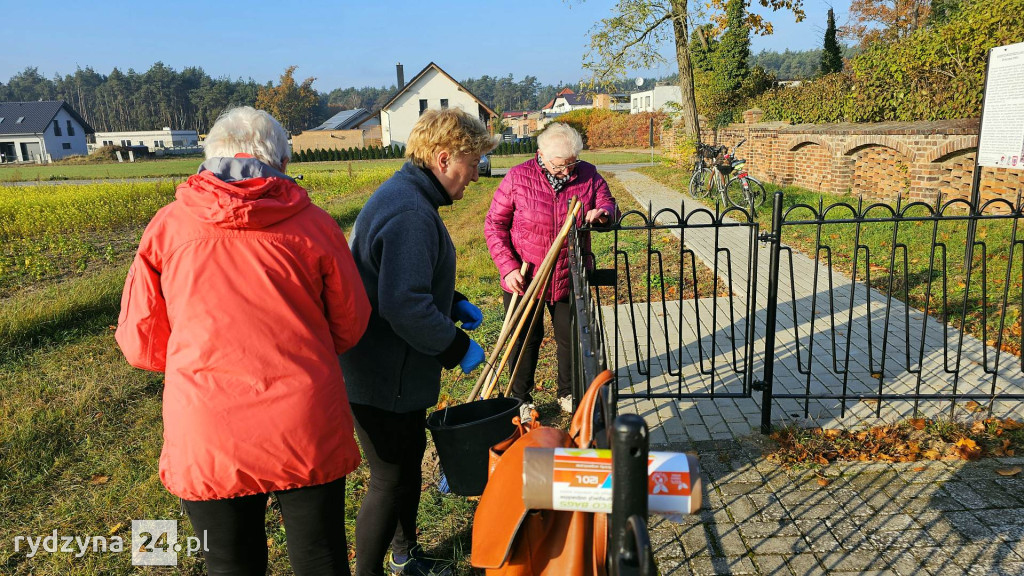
(419, 564)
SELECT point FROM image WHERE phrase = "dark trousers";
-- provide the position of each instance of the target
(394, 445)
(522, 385)
(314, 522)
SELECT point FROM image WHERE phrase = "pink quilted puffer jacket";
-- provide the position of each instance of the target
(526, 214)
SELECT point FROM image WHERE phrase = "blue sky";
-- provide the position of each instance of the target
(340, 43)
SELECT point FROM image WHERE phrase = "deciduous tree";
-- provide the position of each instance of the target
(292, 104)
(885, 20)
(632, 38)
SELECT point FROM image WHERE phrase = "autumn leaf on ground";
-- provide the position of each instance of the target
(822, 481)
(968, 449)
(977, 427)
(1008, 471)
(1011, 424)
(920, 468)
(116, 527)
(918, 423)
(973, 406)
(99, 479)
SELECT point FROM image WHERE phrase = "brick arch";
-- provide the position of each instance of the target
(954, 147)
(861, 142)
(800, 142)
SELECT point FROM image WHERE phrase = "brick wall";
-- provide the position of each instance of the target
(915, 160)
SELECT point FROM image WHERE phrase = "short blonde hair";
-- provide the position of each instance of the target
(560, 140)
(453, 130)
(247, 130)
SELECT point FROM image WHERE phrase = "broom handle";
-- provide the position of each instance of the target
(519, 360)
(512, 303)
(531, 293)
(539, 280)
(505, 326)
(539, 284)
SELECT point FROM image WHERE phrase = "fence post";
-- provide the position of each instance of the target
(630, 551)
(775, 238)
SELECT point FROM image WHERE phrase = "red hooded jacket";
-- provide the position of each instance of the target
(243, 293)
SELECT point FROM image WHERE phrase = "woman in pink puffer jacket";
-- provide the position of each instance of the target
(528, 209)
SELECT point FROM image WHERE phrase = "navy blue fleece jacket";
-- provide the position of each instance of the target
(407, 262)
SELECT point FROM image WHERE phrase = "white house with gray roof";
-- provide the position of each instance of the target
(432, 88)
(41, 131)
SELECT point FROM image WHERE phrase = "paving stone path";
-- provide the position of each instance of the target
(758, 518)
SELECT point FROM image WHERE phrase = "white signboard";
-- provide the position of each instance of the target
(1002, 125)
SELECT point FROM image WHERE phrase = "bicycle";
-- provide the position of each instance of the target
(702, 171)
(742, 190)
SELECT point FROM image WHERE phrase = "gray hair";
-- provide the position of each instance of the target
(560, 140)
(249, 131)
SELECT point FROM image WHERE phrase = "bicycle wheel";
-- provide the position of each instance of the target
(745, 193)
(699, 183)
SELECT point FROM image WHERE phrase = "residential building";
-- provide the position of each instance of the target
(522, 124)
(356, 128)
(618, 102)
(655, 99)
(566, 101)
(152, 139)
(431, 88)
(41, 131)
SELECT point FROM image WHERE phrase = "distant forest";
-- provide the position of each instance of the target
(192, 99)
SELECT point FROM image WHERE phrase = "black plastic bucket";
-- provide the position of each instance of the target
(463, 434)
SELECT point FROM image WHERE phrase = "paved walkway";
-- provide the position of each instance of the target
(863, 518)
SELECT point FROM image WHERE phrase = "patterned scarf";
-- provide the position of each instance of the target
(556, 183)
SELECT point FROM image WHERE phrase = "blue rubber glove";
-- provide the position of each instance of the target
(468, 314)
(473, 358)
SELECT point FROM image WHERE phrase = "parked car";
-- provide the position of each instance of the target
(485, 166)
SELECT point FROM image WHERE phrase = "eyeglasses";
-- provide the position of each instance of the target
(562, 167)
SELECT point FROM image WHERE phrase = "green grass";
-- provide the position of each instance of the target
(663, 280)
(592, 156)
(74, 412)
(909, 274)
(180, 168)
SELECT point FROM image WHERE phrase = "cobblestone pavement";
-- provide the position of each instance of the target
(928, 518)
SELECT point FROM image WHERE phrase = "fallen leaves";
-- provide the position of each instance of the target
(1008, 471)
(98, 479)
(968, 449)
(913, 440)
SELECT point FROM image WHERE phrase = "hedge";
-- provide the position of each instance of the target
(936, 73)
(336, 154)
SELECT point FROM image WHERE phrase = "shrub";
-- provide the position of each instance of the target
(626, 130)
(582, 120)
(937, 72)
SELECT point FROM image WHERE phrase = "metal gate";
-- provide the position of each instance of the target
(855, 310)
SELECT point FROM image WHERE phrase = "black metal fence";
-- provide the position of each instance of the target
(877, 310)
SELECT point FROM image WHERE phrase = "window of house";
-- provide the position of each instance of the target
(126, 142)
(56, 128)
(647, 101)
(71, 129)
(423, 106)
(66, 145)
(444, 103)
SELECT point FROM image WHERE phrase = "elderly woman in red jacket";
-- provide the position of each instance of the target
(243, 293)
(526, 213)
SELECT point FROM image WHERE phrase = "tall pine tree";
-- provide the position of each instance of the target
(832, 55)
